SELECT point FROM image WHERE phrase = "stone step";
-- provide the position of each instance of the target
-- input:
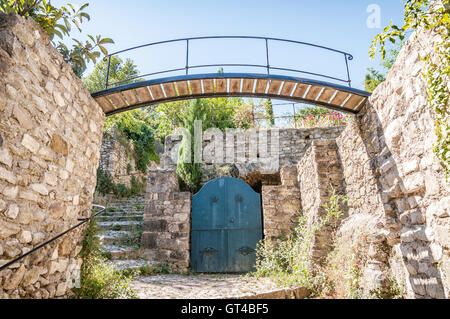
(120, 225)
(122, 212)
(130, 263)
(121, 252)
(120, 218)
(117, 204)
(124, 238)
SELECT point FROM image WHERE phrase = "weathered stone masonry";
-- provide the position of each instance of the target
(399, 192)
(319, 172)
(399, 200)
(281, 204)
(167, 227)
(166, 231)
(115, 160)
(50, 136)
(293, 143)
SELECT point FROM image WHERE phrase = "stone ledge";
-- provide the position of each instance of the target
(288, 293)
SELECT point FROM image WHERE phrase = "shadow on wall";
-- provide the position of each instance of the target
(402, 220)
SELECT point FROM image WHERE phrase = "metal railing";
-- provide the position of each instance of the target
(83, 221)
(268, 67)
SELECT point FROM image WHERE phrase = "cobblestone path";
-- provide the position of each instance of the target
(201, 286)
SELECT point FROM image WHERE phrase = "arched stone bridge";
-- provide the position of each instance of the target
(140, 92)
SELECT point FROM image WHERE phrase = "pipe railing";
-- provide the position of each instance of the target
(83, 221)
(267, 66)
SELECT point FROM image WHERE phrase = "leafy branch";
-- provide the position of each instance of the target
(58, 22)
(422, 14)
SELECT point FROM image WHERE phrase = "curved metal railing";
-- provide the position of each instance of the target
(267, 67)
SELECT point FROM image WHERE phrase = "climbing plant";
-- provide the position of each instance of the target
(428, 16)
(136, 126)
(59, 22)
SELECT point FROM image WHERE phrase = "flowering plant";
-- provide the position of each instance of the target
(331, 118)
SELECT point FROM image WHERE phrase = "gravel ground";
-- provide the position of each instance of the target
(202, 286)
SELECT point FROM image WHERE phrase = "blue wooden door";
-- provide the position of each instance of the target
(226, 226)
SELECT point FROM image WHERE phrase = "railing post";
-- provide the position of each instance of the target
(293, 114)
(348, 72)
(187, 56)
(107, 72)
(267, 56)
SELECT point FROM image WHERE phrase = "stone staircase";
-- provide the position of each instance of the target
(121, 230)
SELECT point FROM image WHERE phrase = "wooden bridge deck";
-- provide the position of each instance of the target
(151, 92)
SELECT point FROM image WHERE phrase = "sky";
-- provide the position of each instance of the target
(339, 24)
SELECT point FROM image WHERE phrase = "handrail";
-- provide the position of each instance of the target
(83, 221)
(268, 67)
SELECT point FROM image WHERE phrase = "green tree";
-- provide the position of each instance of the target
(119, 72)
(220, 113)
(136, 126)
(375, 77)
(268, 107)
(188, 171)
(58, 22)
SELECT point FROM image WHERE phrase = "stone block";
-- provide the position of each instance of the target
(155, 225)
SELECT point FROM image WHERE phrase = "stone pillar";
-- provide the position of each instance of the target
(281, 205)
(167, 220)
(50, 136)
(318, 172)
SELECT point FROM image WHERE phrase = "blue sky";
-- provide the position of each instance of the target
(340, 24)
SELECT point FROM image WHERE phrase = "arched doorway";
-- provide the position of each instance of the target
(226, 226)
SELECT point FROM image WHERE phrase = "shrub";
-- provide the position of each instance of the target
(105, 186)
(330, 118)
(289, 261)
(98, 279)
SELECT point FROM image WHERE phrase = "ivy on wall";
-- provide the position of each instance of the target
(135, 126)
(423, 14)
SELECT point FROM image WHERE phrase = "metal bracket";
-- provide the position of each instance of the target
(209, 251)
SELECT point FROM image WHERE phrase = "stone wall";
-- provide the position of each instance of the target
(117, 160)
(392, 176)
(292, 145)
(319, 172)
(167, 220)
(50, 136)
(281, 205)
